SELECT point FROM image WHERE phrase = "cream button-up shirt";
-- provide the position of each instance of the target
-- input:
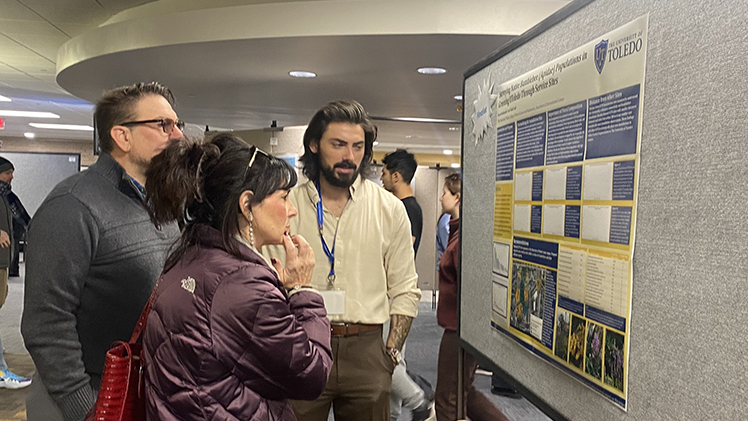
(374, 260)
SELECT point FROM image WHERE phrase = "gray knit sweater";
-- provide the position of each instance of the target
(93, 256)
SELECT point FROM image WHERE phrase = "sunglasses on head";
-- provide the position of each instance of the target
(252, 159)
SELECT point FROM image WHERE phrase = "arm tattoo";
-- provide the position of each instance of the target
(399, 328)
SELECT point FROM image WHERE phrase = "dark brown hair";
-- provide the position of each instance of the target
(337, 112)
(453, 183)
(195, 184)
(118, 106)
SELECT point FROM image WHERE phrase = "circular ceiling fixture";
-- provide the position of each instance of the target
(432, 71)
(458, 97)
(447, 152)
(302, 74)
(455, 165)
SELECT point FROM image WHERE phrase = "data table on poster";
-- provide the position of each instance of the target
(567, 161)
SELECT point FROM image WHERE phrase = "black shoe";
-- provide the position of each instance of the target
(13, 274)
(424, 413)
(509, 393)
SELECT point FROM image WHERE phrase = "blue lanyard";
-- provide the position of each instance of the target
(330, 254)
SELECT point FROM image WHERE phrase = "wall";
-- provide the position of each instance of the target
(85, 149)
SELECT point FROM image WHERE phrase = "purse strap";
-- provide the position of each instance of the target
(144, 315)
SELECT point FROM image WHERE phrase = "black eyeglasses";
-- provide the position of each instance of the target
(252, 159)
(166, 124)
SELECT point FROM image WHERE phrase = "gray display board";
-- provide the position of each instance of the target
(688, 334)
(37, 173)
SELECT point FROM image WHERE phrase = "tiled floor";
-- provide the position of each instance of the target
(423, 344)
(12, 402)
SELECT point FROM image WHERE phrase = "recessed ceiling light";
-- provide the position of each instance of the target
(454, 129)
(447, 152)
(458, 97)
(411, 136)
(5, 99)
(62, 126)
(432, 71)
(376, 142)
(34, 114)
(455, 165)
(297, 73)
(29, 135)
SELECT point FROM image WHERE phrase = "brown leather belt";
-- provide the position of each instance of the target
(351, 329)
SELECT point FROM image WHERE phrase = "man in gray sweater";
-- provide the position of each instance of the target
(93, 255)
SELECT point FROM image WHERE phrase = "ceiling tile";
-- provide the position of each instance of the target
(8, 47)
(28, 27)
(74, 29)
(12, 9)
(20, 61)
(115, 6)
(69, 11)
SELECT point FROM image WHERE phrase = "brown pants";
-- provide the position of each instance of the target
(3, 286)
(359, 385)
(479, 407)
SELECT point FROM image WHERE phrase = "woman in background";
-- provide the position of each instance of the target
(479, 407)
(231, 336)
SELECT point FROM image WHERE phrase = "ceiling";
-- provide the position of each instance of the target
(227, 61)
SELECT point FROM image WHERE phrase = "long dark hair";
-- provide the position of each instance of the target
(337, 112)
(195, 184)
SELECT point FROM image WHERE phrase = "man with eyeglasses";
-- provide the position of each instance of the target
(93, 255)
(365, 267)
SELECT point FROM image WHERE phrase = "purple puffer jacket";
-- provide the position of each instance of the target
(225, 342)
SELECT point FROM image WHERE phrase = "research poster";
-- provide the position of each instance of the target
(567, 167)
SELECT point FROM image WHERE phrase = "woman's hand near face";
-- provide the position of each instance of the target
(299, 262)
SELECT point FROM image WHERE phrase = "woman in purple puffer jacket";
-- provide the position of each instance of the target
(231, 336)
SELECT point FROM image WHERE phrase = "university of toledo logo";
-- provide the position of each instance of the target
(601, 50)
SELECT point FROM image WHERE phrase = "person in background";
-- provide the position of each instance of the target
(21, 220)
(442, 236)
(479, 407)
(230, 334)
(93, 254)
(397, 173)
(8, 379)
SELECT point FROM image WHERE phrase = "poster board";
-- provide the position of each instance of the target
(681, 337)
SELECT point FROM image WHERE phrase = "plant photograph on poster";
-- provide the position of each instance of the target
(528, 295)
(614, 359)
(594, 358)
(561, 346)
(576, 342)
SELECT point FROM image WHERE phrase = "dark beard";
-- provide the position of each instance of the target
(334, 180)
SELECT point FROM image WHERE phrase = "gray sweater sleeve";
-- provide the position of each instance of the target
(62, 239)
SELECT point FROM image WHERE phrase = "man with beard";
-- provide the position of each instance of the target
(94, 255)
(361, 239)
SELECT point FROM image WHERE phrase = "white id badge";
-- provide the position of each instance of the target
(334, 301)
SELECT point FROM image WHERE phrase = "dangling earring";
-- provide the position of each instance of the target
(251, 232)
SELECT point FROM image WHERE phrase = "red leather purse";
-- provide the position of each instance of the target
(122, 391)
